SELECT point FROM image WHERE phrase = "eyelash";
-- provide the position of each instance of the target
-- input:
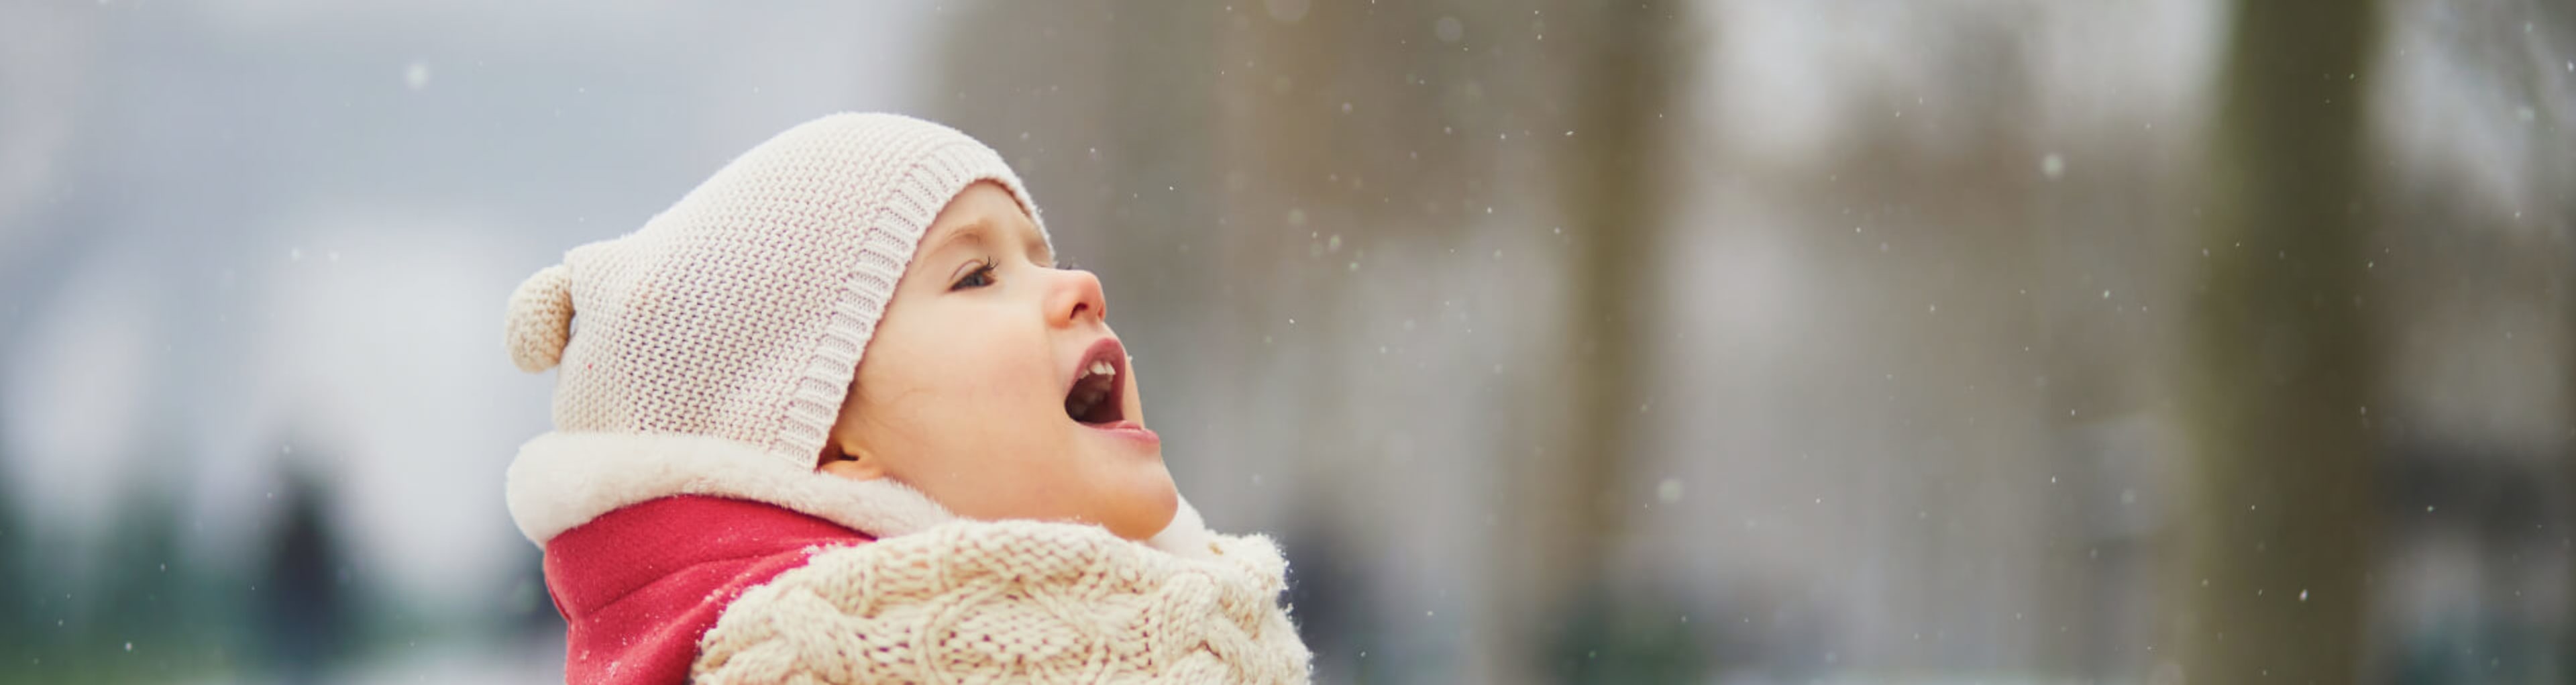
(984, 271)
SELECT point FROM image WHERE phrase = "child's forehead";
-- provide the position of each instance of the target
(987, 225)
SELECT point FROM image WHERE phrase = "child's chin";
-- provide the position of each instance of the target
(1148, 511)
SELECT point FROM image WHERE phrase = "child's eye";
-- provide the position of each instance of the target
(980, 277)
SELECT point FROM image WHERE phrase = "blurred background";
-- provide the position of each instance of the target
(1735, 341)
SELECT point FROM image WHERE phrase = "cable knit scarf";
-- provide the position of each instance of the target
(936, 598)
(1012, 602)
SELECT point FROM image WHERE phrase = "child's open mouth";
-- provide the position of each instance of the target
(1097, 398)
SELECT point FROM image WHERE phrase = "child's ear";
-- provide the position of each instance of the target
(858, 464)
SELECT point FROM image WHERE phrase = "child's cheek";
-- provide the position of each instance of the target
(1000, 377)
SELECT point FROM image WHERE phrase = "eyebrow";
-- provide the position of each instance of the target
(981, 233)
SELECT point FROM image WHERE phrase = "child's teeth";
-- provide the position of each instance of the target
(1103, 368)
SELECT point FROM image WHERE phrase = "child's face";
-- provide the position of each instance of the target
(968, 390)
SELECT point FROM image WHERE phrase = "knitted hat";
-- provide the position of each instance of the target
(741, 313)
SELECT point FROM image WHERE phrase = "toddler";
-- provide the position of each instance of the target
(838, 416)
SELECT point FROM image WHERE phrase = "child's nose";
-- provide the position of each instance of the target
(1077, 295)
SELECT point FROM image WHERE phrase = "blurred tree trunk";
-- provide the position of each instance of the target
(1620, 82)
(2279, 528)
(18, 589)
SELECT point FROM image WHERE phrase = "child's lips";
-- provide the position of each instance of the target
(1128, 429)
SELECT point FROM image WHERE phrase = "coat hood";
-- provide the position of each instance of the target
(562, 480)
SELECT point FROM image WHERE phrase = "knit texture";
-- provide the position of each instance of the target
(1012, 601)
(742, 311)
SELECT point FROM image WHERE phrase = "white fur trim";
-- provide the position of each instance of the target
(1186, 536)
(564, 479)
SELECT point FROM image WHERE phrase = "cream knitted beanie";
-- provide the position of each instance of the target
(741, 312)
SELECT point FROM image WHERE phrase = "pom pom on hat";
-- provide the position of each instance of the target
(540, 319)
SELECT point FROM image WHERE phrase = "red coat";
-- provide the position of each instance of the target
(640, 584)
